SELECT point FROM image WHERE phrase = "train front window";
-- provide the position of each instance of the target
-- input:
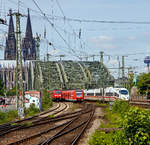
(123, 92)
(79, 94)
(57, 92)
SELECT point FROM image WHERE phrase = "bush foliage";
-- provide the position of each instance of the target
(2, 90)
(120, 107)
(134, 121)
(46, 100)
(7, 117)
(102, 138)
(11, 92)
(32, 110)
(136, 125)
(143, 84)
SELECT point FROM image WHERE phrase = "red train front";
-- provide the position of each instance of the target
(55, 94)
(79, 95)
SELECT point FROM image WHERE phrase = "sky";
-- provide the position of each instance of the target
(131, 40)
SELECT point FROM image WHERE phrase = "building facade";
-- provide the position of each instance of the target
(8, 73)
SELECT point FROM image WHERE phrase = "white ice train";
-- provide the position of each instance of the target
(110, 93)
(93, 92)
(120, 93)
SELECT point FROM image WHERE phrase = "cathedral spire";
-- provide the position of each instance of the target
(11, 32)
(28, 27)
(28, 44)
(10, 49)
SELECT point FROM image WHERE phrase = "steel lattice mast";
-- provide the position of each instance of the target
(19, 67)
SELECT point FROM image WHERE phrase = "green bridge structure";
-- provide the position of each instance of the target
(68, 75)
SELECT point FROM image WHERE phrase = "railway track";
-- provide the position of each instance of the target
(70, 127)
(8, 125)
(34, 120)
(58, 127)
(140, 103)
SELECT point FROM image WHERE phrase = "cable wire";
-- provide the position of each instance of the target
(55, 28)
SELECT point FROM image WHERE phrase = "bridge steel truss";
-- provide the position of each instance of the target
(69, 75)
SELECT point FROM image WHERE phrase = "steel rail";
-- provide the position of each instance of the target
(53, 137)
(75, 140)
(8, 125)
(60, 133)
(38, 134)
(50, 129)
(34, 123)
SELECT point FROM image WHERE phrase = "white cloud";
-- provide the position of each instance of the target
(101, 38)
(110, 46)
(103, 41)
(105, 38)
(113, 62)
(132, 38)
(54, 51)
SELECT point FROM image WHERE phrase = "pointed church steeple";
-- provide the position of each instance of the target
(10, 49)
(28, 27)
(28, 44)
(11, 32)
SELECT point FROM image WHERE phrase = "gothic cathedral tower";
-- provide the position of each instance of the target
(10, 49)
(28, 44)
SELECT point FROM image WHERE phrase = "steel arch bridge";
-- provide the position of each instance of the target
(69, 75)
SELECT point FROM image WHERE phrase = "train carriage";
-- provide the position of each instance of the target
(70, 95)
(108, 94)
(73, 95)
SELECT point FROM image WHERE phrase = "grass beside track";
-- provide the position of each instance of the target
(7, 117)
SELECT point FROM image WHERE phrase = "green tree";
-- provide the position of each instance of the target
(46, 100)
(2, 90)
(143, 83)
(11, 92)
(130, 82)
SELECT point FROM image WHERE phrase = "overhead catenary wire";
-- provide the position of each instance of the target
(22, 4)
(76, 35)
(55, 29)
(85, 20)
(80, 20)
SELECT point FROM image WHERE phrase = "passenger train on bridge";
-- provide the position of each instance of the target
(117, 93)
(69, 95)
(109, 94)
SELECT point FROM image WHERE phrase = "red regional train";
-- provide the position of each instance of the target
(69, 95)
